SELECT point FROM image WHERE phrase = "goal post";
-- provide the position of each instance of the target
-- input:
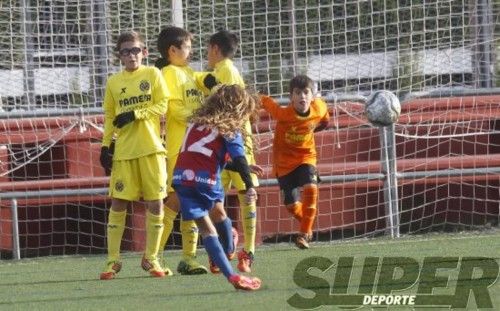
(439, 57)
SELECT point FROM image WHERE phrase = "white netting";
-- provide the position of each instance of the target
(439, 57)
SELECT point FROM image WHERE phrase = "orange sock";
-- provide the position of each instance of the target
(296, 210)
(309, 201)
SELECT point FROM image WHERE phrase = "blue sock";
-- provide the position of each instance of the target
(216, 253)
(224, 229)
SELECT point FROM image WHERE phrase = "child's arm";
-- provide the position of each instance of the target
(254, 168)
(271, 106)
(106, 157)
(323, 123)
(109, 116)
(205, 81)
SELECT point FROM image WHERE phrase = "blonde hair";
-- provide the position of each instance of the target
(227, 110)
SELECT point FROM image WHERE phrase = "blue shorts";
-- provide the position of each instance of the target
(194, 204)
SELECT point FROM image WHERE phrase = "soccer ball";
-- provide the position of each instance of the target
(382, 108)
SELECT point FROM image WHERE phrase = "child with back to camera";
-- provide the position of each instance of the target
(216, 131)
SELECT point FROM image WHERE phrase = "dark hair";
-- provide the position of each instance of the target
(301, 82)
(170, 36)
(226, 41)
(128, 36)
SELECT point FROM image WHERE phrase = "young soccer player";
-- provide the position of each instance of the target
(174, 45)
(134, 101)
(213, 133)
(222, 47)
(294, 151)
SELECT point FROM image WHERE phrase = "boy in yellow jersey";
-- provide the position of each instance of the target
(174, 45)
(134, 101)
(221, 49)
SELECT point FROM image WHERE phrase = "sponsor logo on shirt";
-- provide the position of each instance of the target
(135, 100)
(190, 176)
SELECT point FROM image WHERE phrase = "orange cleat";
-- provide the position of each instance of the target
(153, 267)
(245, 282)
(245, 261)
(213, 267)
(112, 268)
(302, 241)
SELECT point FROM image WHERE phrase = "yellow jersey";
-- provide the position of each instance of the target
(144, 91)
(226, 73)
(185, 97)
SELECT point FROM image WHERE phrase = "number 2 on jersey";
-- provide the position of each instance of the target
(199, 145)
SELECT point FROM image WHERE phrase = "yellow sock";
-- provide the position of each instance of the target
(249, 220)
(168, 226)
(154, 229)
(115, 228)
(189, 232)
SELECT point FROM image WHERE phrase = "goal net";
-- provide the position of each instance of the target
(437, 168)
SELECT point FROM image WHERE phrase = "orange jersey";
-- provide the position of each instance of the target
(294, 135)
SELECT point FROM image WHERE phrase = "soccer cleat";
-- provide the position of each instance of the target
(189, 266)
(213, 267)
(231, 256)
(112, 268)
(245, 282)
(302, 241)
(245, 261)
(153, 267)
(163, 265)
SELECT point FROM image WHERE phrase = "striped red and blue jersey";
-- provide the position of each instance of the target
(202, 157)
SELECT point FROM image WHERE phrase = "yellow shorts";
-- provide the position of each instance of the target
(144, 177)
(170, 171)
(232, 178)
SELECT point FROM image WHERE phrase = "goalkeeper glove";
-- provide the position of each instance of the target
(106, 159)
(209, 82)
(123, 119)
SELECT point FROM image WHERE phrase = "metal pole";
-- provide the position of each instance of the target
(293, 33)
(485, 35)
(28, 68)
(482, 30)
(388, 159)
(101, 57)
(177, 17)
(15, 231)
(391, 156)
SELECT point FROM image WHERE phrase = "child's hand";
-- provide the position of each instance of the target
(256, 169)
(250, 196)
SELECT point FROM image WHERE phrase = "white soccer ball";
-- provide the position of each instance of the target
(382, 108)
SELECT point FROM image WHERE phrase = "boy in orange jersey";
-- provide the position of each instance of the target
(294, 151)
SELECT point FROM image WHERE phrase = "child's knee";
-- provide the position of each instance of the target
(217, 213)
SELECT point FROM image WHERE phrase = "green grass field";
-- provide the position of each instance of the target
(71, 283)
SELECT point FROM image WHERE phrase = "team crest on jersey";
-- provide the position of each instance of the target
(119, 186)
(144, 86)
